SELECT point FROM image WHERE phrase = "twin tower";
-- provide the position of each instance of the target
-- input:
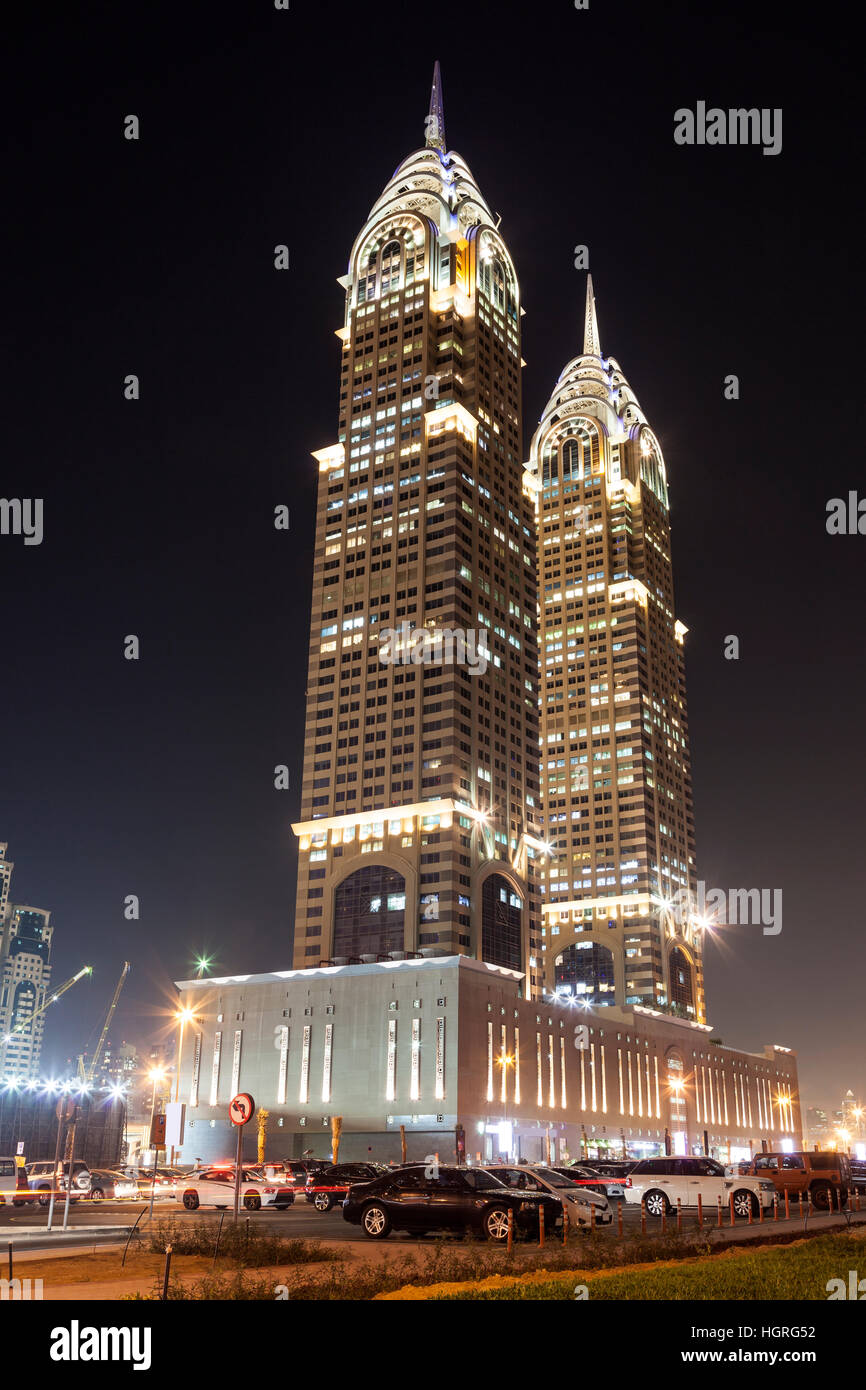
(496, 757)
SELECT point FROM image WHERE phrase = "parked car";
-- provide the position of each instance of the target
(461, 1199)
(524, 1177)
(215, 1187)
(817, 1174)
(111, 1184)
(14, 1186)
(858, 1174)
(662, 1180)
(611, 1168)
(293, 1172)
(583, 1173)
(164, 1182)
(41, 1178)
(326, 1186)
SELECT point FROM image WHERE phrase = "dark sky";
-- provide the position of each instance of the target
(261, 127)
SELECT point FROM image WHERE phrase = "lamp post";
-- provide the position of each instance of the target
(155, 1075)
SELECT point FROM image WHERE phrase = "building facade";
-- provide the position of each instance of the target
(25, 976)
(620, 923)
(429, 1044)
(419, 806)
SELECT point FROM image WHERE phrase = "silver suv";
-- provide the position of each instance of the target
(40, 1179)
(661, 1181)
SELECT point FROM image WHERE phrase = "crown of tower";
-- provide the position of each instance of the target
(434, 125)
(591, 340)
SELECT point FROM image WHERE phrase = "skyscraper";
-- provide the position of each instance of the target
(25, 974)
(620, 919)
(420, 790)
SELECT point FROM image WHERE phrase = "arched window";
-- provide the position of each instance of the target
(682, 994)
(392, 257)
(585, 970)
(369, 912)
(500, 923)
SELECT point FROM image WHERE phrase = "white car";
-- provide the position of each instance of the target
(662, 1180)
(581, 1202)
(215, 1187)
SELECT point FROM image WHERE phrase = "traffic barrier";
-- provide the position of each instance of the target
(643, 1216)
(700, 1210)
(679, 1214)
(731, 1199)
(540, 1223)
(720, 1211)
(619, 1207)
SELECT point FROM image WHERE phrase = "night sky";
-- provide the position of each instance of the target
(155, 257)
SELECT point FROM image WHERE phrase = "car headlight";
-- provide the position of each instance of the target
(768, 1186)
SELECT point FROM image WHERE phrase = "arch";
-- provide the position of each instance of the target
(503, 908)
(588, 971)
(369, 912)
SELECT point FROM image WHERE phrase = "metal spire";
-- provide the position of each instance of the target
(591, 343)
(434, 123)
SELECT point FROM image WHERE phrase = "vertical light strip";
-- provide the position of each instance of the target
(517, 1066)
(551, 1081)
(538, 1068)
(619, 1068)
(649, 1100)
(658, 1097)
(562, 1072)
(304, 1093)
(736, 1099)
(236, 1061)
(490, 1061)
(415, 1072)
(698, 1094)
(604, 1081)
(630, 1083)
(713, 1096)
(592, 1073)
(283, 1074)
(391, 1064)
(196, 1070)
(749, 1099)
(326, 1061)
(725, 1095)
(639, 1086)
(439, 1084)
(215, 1071)
(503, 1087)
(583, 1078)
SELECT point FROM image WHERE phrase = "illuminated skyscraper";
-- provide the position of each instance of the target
(420, 791)
(25, 974)
(619, 911)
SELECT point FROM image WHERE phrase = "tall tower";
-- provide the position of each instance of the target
(25, 975)
(420, 789)
(620, 925)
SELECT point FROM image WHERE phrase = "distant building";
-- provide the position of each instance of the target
(25, 976)
(817, 1127)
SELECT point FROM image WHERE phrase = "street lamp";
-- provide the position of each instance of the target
(156, 1074)
(184, 1016)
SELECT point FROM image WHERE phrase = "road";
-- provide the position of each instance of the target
(303, 1220)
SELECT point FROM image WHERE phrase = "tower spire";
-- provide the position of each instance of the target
(434, 125)
(591, 342)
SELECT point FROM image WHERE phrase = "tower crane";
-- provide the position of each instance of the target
(87, 1073)
(49, 999)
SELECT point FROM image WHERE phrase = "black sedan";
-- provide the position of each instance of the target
(456, 1199)
(328, 1185)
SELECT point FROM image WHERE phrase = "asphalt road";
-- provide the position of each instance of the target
(303, 1220)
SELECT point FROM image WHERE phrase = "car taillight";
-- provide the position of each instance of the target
(627, 1182)
(269, 1191)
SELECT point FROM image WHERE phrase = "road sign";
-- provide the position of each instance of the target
(157, 1132)
(242, 1109)
(65, 1108)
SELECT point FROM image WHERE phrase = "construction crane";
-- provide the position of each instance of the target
(49, 999)
(88, 1073)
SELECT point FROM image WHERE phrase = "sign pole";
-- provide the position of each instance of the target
(61, 1114)
(238, 1169)
(69, 1178)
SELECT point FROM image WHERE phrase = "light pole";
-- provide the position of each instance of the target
(155, 1075)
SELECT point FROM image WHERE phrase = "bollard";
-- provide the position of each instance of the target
(664, 1219)
(619, 1217)
(700, 1210)
(775, 1206)
(9, 1248)
(510, 1239)
(751, 1210)
(540, 1223)
(720, 1211)
(679, 1214)
(217, 1241)
(643, 1216)
(731, 1199)
(800, 1195)
(857, 1199)
(810, 1207)
(787, 1205)
(565, 1221)
(592, 1217)
(165, 1274)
